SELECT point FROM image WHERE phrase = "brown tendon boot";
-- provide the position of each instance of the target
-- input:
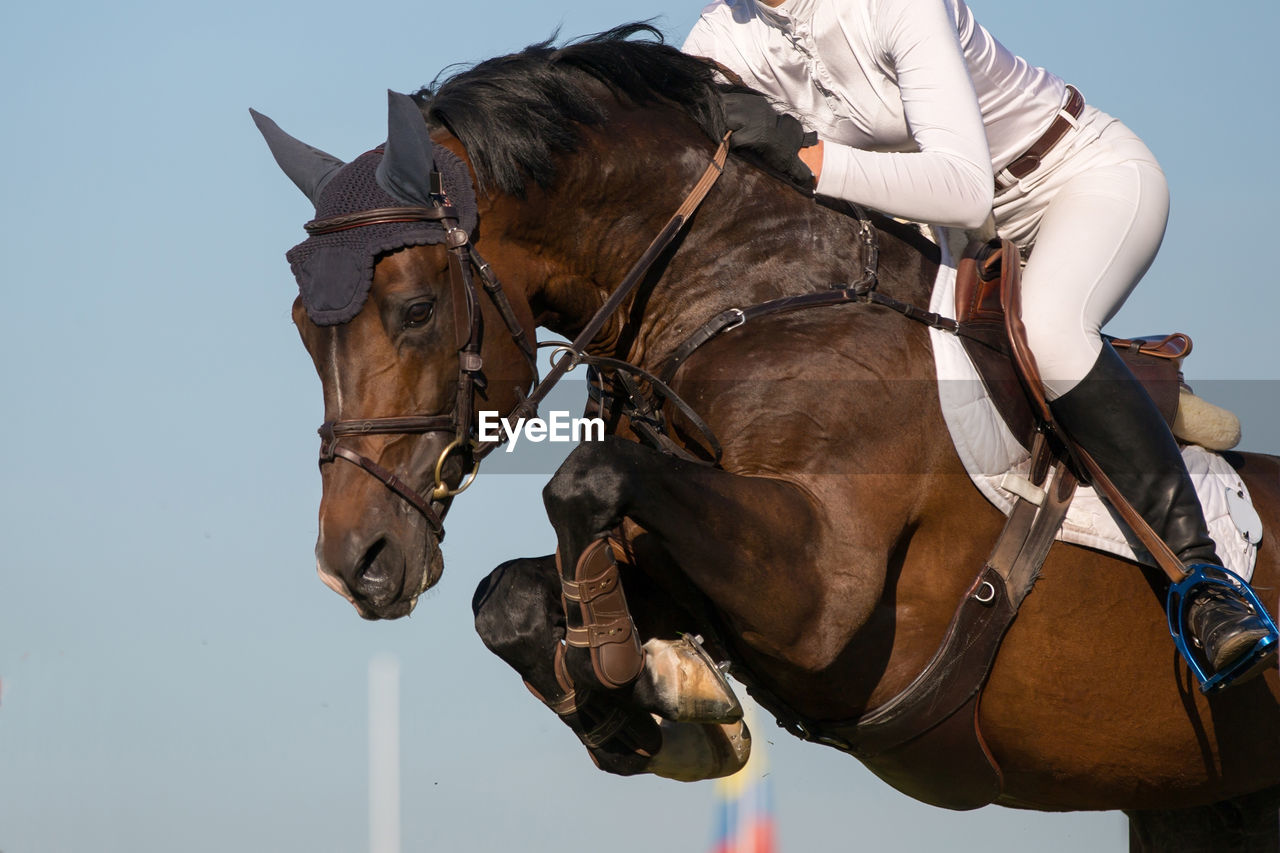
(606, 627)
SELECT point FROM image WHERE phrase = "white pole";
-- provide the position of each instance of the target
(384, 754)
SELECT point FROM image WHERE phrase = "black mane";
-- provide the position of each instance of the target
(514, 113)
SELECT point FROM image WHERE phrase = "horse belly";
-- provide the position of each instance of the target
(1089, 705)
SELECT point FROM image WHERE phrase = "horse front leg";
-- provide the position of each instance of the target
(745, 542)
(518, 615)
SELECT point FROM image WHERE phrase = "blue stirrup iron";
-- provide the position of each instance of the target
(1178, 604)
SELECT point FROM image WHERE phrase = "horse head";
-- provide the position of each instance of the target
(398, 310)
(406, 350)
(559, 165)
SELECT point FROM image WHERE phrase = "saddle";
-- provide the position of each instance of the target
(988, 308)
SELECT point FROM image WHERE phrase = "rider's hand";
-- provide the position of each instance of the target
(776, 138)
(811, 156)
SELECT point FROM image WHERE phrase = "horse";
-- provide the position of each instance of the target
(823, 547)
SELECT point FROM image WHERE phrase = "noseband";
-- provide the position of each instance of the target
(464, 260)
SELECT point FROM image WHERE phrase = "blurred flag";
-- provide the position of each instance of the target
(744, 802)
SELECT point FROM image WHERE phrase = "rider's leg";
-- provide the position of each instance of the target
(1096, 238)
(1112, 417)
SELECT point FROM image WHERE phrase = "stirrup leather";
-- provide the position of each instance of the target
(1178, 605)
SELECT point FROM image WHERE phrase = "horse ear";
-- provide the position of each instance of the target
(407, 163)
(309, 168)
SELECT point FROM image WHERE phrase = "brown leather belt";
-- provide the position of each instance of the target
(1030, 160)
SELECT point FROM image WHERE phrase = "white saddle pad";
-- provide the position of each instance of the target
(996, 462)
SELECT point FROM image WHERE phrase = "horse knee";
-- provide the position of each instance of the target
(588, 487)
(516, 609)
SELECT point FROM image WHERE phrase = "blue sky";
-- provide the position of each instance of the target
(174, 675)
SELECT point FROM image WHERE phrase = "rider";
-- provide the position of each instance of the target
(920, 113)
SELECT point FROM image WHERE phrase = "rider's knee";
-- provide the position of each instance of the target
(1065, 349)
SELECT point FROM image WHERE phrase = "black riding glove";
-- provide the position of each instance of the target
(774, 137)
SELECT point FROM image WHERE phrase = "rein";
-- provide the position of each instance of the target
(463, 260)
(578, 346)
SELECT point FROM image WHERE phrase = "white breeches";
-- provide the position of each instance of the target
(1089, 222)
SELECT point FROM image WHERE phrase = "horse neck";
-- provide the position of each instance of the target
(754, 238)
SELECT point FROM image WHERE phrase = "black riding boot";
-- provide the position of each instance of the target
(1110, 414)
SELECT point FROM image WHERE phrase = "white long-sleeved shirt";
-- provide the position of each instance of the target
(917, 105)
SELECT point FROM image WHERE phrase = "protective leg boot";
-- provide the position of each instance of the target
(1112, 417)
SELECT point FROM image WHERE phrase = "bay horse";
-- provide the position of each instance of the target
(825, 550)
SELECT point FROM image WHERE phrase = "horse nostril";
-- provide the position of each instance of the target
(372, 576)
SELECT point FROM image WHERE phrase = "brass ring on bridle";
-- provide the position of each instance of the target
(442, 490)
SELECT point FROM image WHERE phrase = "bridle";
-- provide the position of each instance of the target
(468, 330)
(465, 266)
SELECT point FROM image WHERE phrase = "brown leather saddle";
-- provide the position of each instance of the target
(989, 309)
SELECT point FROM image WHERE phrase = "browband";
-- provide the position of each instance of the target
(380, 216)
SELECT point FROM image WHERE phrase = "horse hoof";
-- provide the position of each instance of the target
(692, 752)
(680, 682)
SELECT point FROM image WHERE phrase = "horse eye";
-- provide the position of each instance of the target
(418, 314)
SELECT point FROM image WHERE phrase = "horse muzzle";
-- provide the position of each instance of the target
(381, 570)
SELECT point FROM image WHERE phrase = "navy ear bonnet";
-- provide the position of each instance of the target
(335, 271)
